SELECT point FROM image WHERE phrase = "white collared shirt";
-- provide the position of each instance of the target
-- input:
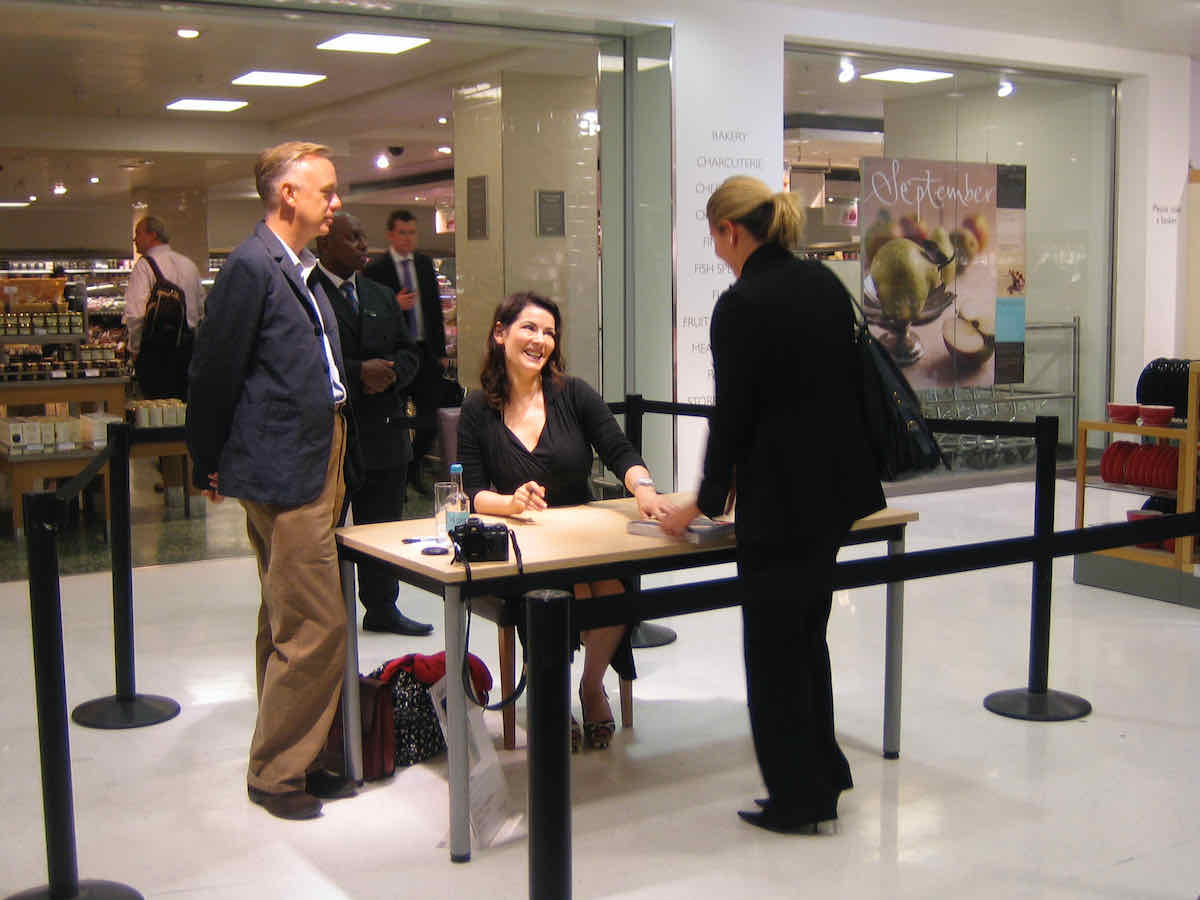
(418, 314)
(305, 263)
(177, 269)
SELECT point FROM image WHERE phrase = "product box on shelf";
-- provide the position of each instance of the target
(93, 429)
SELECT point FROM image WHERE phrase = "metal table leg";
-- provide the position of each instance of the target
(893, 658)
(456, 720)
(351, 715)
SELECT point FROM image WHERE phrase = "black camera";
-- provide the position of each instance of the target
(478, 542)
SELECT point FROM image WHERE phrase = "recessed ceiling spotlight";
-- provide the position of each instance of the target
(59, 189)
(33, 198)
(908, 76)
(846, 71)
(442, 120)
(198, 104)
(188, 33)
(355, 42)
(259, 78)
(446, 150)
(95, 179)
(1005, 88)
(382, 161)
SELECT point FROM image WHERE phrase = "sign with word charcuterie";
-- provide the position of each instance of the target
(943, 265)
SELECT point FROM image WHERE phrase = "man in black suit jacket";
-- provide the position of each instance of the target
(267, 422)
(381, 362)
(412, 278)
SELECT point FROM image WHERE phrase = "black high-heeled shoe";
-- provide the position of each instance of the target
(576, 735)
(599, 732)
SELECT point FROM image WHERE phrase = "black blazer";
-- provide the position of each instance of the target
(260, 411)
(788, 421)
(376, 331)
(383, 270)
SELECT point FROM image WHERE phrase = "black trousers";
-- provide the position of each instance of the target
(380, 498)
(787, 594)
(426, 392)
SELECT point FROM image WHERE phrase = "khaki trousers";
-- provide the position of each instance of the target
(301, 642)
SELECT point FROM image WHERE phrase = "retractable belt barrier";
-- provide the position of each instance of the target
(549, 850)
(45, 513)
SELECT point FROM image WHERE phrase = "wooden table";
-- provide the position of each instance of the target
(560, 546)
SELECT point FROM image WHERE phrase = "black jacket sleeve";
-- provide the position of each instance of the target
(472, 439)
(601, 429)
(732, 421)
(221, 358)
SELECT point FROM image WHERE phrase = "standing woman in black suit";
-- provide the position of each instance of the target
(787, 437)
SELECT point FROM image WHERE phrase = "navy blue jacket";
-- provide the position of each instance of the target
(260, 410)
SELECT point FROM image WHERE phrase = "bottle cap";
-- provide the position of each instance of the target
(456, 468)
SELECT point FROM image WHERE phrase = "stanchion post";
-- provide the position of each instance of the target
(43, 512)
(548, 622)
(126, 708)
(1037, 702)
(634, 412)
(1043, 565)
(122, 557)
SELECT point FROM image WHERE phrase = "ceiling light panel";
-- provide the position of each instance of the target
(13, 204)
(197, 104)
(188, 34)
(907, 76)
(355, 42)
(278, 79)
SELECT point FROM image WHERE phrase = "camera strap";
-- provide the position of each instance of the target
(468, 688)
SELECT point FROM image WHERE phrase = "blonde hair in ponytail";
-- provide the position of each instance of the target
(771, 218)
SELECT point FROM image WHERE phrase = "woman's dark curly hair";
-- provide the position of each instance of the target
(494, 376)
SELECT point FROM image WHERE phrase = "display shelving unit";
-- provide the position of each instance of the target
(1154, 573)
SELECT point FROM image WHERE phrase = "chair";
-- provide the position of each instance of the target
(503, 614)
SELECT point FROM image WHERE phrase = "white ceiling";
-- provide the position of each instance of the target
(113, 70)
(1168, 26)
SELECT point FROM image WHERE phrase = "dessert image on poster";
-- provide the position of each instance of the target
(929, 240)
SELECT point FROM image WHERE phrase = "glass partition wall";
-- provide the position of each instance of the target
(922, 130)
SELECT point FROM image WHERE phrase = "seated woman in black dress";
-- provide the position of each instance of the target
(525, 442)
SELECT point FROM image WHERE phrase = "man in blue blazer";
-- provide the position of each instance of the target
(381, 361)
(267, 423)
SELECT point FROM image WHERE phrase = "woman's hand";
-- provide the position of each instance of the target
(676, 523)
(529, 496)
(652, 504)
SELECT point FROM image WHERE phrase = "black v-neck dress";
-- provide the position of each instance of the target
(577, 421)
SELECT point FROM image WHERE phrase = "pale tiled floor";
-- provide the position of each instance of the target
(977, 805)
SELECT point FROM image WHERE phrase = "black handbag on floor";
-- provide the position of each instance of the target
(418, 732)
(897, 432)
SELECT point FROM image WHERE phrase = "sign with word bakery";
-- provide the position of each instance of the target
(943, 264)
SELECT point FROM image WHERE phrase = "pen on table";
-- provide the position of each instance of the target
(418, 540)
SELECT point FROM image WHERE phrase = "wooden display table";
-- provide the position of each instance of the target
(559, 545)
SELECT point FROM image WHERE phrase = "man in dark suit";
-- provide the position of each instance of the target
(267, 422)
(381, 362)
(413, 280)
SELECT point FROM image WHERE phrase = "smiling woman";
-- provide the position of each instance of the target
(526, 442)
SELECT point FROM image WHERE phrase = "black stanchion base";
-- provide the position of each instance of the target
(88, 890)
(647, 634)
(1052, 706)
(131, 712)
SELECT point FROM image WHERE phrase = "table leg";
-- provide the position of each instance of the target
(893, 659)
(351, 714)
(456, 720)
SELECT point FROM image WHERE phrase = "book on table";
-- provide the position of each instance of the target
(701, 530)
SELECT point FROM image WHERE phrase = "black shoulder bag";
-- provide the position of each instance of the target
(897, 432)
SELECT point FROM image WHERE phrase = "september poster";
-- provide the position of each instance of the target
(943, 263)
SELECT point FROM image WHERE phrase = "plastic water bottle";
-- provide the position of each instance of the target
(458, 508)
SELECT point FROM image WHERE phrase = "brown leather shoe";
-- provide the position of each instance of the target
(288, 805)
(327, 785)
